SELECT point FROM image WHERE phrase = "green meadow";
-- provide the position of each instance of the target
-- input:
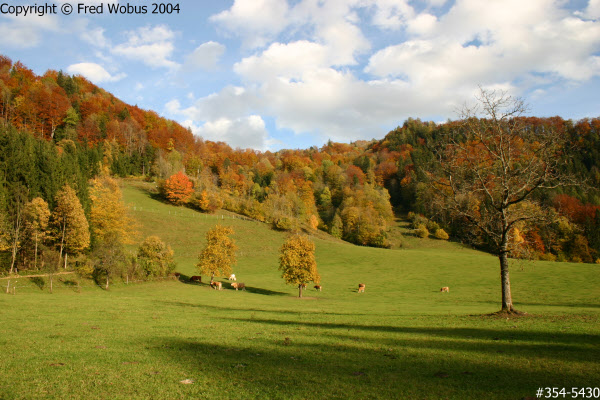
(401, 339)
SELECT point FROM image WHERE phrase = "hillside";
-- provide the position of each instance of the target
(401, 338)
(58, 129)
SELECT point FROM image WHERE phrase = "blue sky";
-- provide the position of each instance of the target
(272, 74)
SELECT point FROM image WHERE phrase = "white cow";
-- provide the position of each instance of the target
(232, 277)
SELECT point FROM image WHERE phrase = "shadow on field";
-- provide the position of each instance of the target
(490, 336)
(394, 363)
(265, 292)
(267, 311)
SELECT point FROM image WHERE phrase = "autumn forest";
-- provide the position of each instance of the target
(63, 141)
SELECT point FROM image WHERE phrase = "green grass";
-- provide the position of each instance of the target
(401, 339)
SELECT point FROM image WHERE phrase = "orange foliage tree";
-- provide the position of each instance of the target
(178, 189)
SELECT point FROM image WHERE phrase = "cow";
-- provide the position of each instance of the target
(318, 287)
(196, 278)
(445, 289)
(232, 277)
(216, 285)
(303, 285)
(237, 286)
(361, 287)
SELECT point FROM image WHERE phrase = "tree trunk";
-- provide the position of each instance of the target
(62, 242)
(507, 304)
(36, 250)
(107, 278)
(300, 291)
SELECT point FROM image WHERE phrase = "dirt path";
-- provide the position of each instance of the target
(36, 276)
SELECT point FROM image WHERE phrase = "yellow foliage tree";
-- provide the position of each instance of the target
(37, 217)
(71, 228)
(297, 262)
(109, 216)
(313, 222)
(218, 256)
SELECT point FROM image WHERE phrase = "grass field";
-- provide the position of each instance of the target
(401, 339)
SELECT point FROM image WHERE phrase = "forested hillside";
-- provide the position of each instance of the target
(60, 131)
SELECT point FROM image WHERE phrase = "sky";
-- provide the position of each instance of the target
(274, 74)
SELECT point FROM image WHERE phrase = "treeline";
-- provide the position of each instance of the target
(58, 130)
(574, 235)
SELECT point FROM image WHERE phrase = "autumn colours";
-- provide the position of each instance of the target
(64, 142)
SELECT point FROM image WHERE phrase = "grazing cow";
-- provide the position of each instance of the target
(176, 274)
(445, 289)
(196, 278)
(237, 286)
(318, 287)
(361, 287)
(303, 285)
(232, 277)
(216, 285)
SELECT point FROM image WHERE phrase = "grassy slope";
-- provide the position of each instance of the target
(400, 339)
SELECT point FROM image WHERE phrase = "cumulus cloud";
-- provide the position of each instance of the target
(310, 75)
(95, 37)
(244, 132)
(151, 45)
(26, 31)
(206, 56)
(94, 72)
(257, 21)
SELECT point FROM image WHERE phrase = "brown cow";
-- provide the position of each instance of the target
(216, 285)
(361, 287)
(237, 286)
(318, 287)
(445, 289)
(196, 278)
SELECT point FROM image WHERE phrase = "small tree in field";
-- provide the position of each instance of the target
(218, 256)
(155, 257)
(178, 188)
(297, 262)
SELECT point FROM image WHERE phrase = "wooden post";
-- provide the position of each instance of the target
(7, 286)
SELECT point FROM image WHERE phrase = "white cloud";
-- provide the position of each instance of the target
(95, 37)
(245, 132)
(151, 45)
(304, 75)
(26, 31)
(94, 72)
(593, 9)
(289, 61)
(206, 56)
(257, 21)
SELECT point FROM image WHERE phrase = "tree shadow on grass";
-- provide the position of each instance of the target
(483, 334)
(274, 311)
(265, 292)
(418, 363)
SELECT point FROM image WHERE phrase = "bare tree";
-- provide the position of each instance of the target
(489, 165)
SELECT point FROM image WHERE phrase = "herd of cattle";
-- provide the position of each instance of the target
(241, 286)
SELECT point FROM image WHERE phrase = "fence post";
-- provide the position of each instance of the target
(7, 286)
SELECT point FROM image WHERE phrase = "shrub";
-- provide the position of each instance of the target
(441, 234)
(284, 223)
(547, 257)
(421, 231)
(432, 226)
(418, 220)
(155, 257)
